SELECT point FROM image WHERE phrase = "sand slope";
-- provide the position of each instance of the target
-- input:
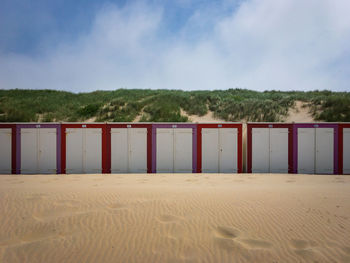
(299, 113)
(174, 218)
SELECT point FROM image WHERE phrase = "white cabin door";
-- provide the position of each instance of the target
(210, 150)
(165, 150)
(5, 151)
(29, 150)
(324, 150)
(278, 150)
(137, 139)
(183, 150)
(306, 150)
(119, 150)
(47, 144)
(260, 150)
(346, 150)
(228, 150)
(74, 150)
(92, 150)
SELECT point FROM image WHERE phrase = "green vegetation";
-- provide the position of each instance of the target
(165, 105)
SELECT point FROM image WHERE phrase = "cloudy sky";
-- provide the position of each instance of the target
(86, 45)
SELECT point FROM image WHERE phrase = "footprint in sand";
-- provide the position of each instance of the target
(166, 218)
(341, 226)
(38, 217)
(224, 239)
(303, 248)
(256, 243)
(306, 253)
(228, 244)
(227, 232)
(46, 216)
(290, 181)
(299, 244)
(42, 233)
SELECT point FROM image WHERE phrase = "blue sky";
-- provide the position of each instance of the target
(180, 44)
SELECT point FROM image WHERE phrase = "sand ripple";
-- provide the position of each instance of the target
(174, 218)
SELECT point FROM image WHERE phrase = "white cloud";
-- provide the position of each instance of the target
(263, 44)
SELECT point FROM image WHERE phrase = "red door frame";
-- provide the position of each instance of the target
(13, 144)
(219, 125)
(340, 146)
(64, 126)
(129, 125)
(250, 126)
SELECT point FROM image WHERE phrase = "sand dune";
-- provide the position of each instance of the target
(174, 218)
(299, 113)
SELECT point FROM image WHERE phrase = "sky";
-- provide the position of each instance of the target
(88, 45)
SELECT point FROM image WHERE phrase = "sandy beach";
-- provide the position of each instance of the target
(174, 218)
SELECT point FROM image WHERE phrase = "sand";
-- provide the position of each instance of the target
(207, 118)
(299, 113)
(174, 218)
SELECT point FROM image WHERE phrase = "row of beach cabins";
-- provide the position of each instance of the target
(75, 148)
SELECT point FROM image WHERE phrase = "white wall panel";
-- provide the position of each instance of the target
(29, 150)
(278, 150)
(183, 150)
(74, 150)
(324, 150)
(5, 150)
(306, 150)
(119, 150)
(260, 150)
(228, 150)
(165, 150)
(92, 150)
(129, 150)
(138, 150)
(210, 150)
(346, 150)
(47, 161)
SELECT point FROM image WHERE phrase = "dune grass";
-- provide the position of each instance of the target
(125, 105)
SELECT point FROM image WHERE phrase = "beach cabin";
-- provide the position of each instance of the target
(84, 148)
(219, 148)
(7, 148)
(129, 147)
(344, 148)
(269, 148)
(174, 148)
(316, 148)
(38, 148)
